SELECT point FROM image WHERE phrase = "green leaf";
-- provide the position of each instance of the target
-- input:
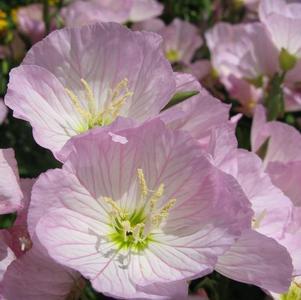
(180, 97)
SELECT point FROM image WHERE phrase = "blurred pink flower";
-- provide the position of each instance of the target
(79, 78)
(282, 161)
(180, 38)
(128, 215)
(272, 212)
(87, 12)
(31, 23)
(10, 192)
(243, 55)
(32, 274)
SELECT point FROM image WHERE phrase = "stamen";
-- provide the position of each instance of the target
(157, 219)
(89, 95)
(156, 196)
(85, 114)
(116, 209)
(142, 183)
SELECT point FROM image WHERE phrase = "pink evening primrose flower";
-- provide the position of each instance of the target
(282, 163)
(80, 12)
(282, 157)
(31, 23)
(272, 212)
(283, 21)
(10, 192)
(243, 55)
(32, 274)
(79, 78)
(180, 38)
(140, 218)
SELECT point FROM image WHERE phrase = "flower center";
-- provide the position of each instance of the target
(89, 112)
(172, 55)
(133, 230)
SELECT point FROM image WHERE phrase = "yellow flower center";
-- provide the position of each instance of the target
(89, 112)
(133, 230)
(172, 55)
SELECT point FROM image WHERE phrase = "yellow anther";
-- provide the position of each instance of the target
(89, 95)
(156, 196)
(84, 113)
(256, 221)
(142, 183)
(163, 214)
(165, 209)
(116, 209)
(118, 97)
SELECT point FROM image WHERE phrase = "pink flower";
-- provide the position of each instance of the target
(283, 21)
(31, 23)
(136, 220)
(10, 192)
(282, 157)
(31, 273)
(243, 55)
(79, 78)
(6, 257)
(180, 39)
(272, 212)
(120, 11)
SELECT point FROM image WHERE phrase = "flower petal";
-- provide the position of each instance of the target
(257, 259)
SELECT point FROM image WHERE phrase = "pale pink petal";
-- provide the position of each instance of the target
(6, 257)
(259, 132)
(272, 209)
(44, 103)
(79, 13)
(30, 21)
(145, 9)
(63, 190)
(259, 260)
(10, 192)
(283, 22)
(183, 38)
(19, 240)
(292, 240)
(36, 276)
(287, 177)
(199, 114)
(200, 68)
(243, 50)
(154, 25)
